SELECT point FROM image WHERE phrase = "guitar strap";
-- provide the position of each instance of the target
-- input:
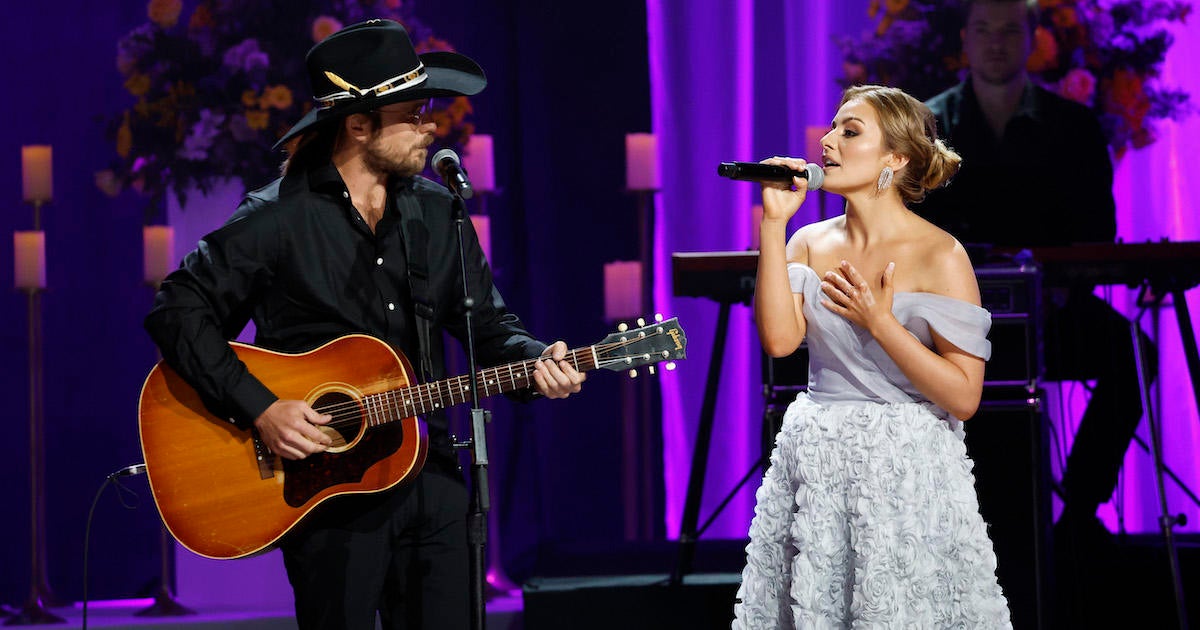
(416, 247)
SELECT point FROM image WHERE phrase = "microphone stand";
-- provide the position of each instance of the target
(480, 503)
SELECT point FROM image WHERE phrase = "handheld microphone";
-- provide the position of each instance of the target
(450, 168)
(755, 172)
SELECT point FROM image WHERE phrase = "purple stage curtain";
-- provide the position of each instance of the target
(742, 80)
(730, 80)
(1157, 193)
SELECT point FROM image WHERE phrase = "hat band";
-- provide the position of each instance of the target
(352, 92)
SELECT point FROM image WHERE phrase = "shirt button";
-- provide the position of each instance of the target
(345, 194)
(391, 306)
(378, 261)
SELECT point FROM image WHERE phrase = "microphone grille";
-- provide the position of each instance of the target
(445, 154)
(816, 175)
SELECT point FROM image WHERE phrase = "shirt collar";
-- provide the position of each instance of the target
(1028, 107)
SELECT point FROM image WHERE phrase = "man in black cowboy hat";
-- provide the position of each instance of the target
(352, 240)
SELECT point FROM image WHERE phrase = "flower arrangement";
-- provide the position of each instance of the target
(215, 84)
(1105, 54)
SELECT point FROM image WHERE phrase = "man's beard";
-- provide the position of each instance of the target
(378, 160)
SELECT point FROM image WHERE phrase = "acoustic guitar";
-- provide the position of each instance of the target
(223, 494)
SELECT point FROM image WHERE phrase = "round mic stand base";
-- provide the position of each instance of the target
(164, 600)
(34, 614)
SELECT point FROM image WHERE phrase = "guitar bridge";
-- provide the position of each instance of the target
(263, 457)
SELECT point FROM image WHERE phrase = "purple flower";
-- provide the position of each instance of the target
(246, 57)
(200, 137)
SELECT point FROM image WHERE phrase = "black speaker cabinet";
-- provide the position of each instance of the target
(1013, 295)
(1007, 439)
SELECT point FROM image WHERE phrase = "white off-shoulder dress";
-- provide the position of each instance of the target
(867, 516)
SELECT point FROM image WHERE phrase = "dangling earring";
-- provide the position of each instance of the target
(885, 179)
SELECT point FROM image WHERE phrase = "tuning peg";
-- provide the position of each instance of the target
(650, 370)
(622, 327)
(670, 366)
(641, 321)
(658, 317)
(633, 373)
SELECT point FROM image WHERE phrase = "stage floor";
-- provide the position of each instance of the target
(503, 613)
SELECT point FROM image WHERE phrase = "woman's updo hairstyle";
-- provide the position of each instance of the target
(909, 129)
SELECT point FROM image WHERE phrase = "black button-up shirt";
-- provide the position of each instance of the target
(1046, 181)
(299, 260)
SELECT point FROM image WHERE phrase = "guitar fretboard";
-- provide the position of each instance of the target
(422, 399)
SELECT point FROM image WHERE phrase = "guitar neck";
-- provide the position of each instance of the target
(429, 397)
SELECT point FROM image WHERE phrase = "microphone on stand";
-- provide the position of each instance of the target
(755, 172)
(450, 168)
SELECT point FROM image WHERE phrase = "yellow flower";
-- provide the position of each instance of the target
(324, 26)
(164, 13)
(138, 84)
(249, 98)
(278, 96)
(257, 119)
(124, 138)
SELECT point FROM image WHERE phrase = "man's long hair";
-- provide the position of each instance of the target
(314, 148)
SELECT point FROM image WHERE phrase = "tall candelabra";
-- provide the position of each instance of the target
(29, 275)
(158, 256)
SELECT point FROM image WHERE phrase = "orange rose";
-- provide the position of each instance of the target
(201, 18)
(324, 26)
(164, 13)
(1045, 51)
(1064, 17)
(894, 7)
(434, 44)
(1127, 98)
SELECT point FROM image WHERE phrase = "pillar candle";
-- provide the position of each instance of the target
(622, 290)
(158, 252)
(29, 259)
(641, 162)
(478, 160)
(483, 229)
(37, 173)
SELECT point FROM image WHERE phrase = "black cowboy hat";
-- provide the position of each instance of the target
(371, 64)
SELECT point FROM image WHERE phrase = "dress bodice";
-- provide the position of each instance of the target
(847, 364)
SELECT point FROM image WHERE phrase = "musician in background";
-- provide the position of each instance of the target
(1036, 172)
(352, 240)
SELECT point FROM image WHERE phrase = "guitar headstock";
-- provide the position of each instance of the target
(647, 345)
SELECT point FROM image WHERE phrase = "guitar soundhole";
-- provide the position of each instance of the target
(347, 423)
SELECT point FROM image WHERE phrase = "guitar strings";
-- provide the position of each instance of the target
(350, 413)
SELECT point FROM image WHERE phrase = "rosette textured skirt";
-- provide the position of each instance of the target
(868, 518)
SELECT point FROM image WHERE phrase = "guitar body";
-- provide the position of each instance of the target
(223, 495)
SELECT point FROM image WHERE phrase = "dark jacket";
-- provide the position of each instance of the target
(1047, 181)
